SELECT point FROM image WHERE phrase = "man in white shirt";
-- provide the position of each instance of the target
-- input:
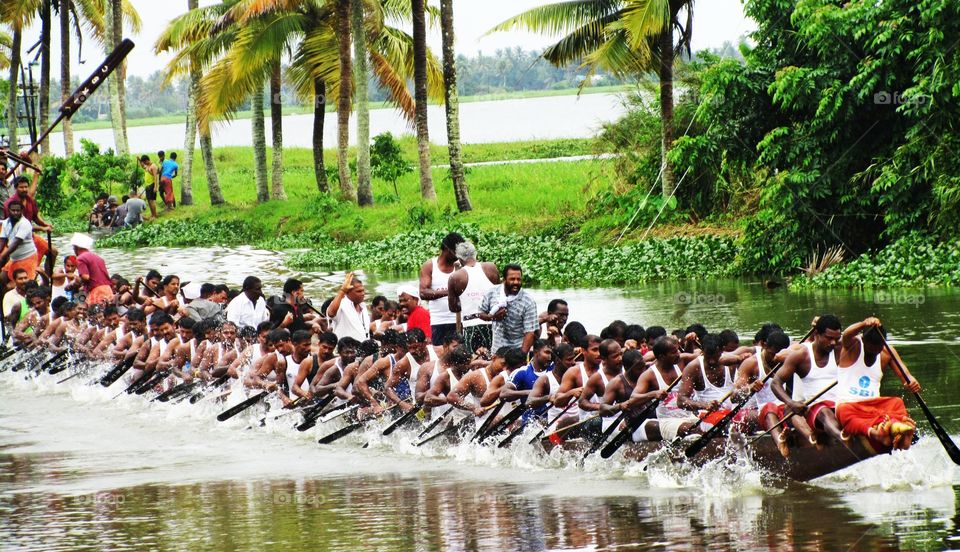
(348, 313)
(249, 308)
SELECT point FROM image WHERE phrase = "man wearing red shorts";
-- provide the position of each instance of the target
(860, 408)
(26, 193)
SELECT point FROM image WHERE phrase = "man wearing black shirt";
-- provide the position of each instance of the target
(289, 314)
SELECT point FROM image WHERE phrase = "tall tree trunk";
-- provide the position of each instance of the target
(260, 146)
(420, 94)
(12, 121)
(319, 114)
(190, 137)
(213, 183)
(116, 118)
(276, 132)
(46, 13)
(360, 76)
(121, 75)
(666, 110)
(65, 91)
(452, 102)
(343, 102)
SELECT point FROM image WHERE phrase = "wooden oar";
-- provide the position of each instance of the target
(129, 389)
(151, 383)
(604, 435)
(948, 445)
(452, 428)
(633, 423)
(182, 388)
(681, 436)
(718, 428)
(213, 385)
(118, 370)
(311, 414)
(30, 359)
(435, 423)
(402, 420)
(505, 442)
(81, 370)
(60, 366)
(327, 439)
(586, 420)
(338, 412)
(231, 412)
(513, 416)
(497, 406)
(551, 422)
(53, 360)
(807, 403)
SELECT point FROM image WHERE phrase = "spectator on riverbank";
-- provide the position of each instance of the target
(151, 180)
(168, 171)
(121, 215)
(134, 210)
(99, 209)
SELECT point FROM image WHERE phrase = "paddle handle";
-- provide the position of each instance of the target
(806, 403)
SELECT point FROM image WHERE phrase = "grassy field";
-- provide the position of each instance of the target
(520, 198)
(301, 110)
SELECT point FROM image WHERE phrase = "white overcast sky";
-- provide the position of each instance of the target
(715, 21)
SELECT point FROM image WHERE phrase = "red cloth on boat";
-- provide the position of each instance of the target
(858, 417)
(710, 419)
(814, 410)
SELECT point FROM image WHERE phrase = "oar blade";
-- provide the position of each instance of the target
(343, 432)
(401, 420)
(231, 412)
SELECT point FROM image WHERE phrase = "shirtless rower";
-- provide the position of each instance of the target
(420, 356)
(816, 365)
(860, 408)
(218, 355)
(620, 389)
(264, 372)
(296, 367)
(571, 387)
(346, 388)
(379, 374)
(669, 419)
(450, 370)
(251, 354)
(468, 393)
(346, 355)
(546, 389)
(27, 332)
(769, 409)
(611, 366)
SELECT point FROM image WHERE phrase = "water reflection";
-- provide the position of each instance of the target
(443, 512)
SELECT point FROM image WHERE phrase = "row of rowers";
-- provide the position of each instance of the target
(580, 385)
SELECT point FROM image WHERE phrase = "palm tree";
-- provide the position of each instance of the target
(46, 13)
(343, 14)
(418, 12)
(190, 136)
(276, 131)
(360, 76)
(625, 37)
(63, 13)
(17, 15)
(452, 105)
(259, 145)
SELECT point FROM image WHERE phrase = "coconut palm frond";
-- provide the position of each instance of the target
(821, 261)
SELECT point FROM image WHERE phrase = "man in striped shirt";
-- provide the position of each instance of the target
(512, 311)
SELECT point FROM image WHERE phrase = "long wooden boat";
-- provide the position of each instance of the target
(806, 461)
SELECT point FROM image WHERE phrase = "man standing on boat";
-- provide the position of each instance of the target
(434, 282)
(348, 314)
(860, 408)
(249, 308)
(512, 311)
(816, 365)
(417, 316)
(93, 271)
(467, 288)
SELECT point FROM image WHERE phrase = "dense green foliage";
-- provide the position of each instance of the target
(546, 261)
(386, 160)
(72, 184)
(837, 127)
(914, 260)
(180, 233)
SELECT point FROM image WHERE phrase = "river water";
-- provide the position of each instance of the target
(79, 471)
(480, 122)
